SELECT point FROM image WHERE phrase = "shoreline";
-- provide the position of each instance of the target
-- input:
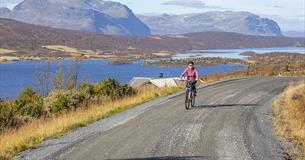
(147, 62)
(58, 52)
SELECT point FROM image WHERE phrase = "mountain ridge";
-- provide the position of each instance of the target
(227, 21)
(83, 15)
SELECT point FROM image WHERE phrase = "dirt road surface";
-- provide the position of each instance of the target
(231, 121)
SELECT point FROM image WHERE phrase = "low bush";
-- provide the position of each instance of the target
(7, 117)
(86, 90)
(75, 98)
(126, 90)
(112, 88)
(109, 87)
(29, 104)
(59, 102)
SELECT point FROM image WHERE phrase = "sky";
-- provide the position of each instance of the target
(290, 14)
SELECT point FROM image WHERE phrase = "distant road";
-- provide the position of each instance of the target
(231, 121)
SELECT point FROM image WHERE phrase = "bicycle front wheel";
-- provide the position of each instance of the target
(193, 100)
(187, 100)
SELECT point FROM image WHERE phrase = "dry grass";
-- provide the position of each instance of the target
(161, 54)
(289, 109)
(74, 52)
(27, 136)
(61, 48)
(6, 51)
(223, 76)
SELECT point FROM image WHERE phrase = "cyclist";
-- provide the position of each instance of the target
(191, 75)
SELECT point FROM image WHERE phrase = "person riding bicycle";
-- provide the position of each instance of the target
(191, 75)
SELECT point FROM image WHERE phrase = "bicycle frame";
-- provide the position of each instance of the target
(189, 97)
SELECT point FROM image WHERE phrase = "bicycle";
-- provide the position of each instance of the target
(190, 95)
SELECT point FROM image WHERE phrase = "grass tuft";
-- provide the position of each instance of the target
(289, 110)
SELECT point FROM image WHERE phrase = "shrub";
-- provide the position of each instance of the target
(126, 90)
(59, 102)
(75, 98)
(7, 117)
(87, 90)
(29, 104)
(112, 88)
(109, 87)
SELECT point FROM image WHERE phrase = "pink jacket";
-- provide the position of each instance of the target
(190, 74)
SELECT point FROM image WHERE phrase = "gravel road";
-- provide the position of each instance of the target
(231, 121)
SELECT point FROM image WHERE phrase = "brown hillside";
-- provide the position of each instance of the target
(29, 38)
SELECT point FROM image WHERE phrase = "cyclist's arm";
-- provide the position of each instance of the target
(183, 73)
(197, 75)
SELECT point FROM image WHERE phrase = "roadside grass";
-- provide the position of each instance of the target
(6, 51)
(14, 141)
(223, 76)
(289, 110)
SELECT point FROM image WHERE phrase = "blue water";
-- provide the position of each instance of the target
(235, 53)
(15, 76)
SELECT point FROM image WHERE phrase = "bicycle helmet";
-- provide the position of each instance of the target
(191, 63)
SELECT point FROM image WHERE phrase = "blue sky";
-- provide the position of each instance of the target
(290, 14)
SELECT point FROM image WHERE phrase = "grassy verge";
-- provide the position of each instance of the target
(289, 110)
(13, 141)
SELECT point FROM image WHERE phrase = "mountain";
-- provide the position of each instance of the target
(29, 39)
(4, 10)
(228, 21)
(84, 15)
(294, 33)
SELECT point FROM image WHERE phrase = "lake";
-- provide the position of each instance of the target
(235, 53)
(15, 76)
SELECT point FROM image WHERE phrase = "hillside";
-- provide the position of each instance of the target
(294, 33)
(27, 39)
(83, 15)
(228, 21)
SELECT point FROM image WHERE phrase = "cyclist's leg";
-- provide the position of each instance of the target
(194, 89)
